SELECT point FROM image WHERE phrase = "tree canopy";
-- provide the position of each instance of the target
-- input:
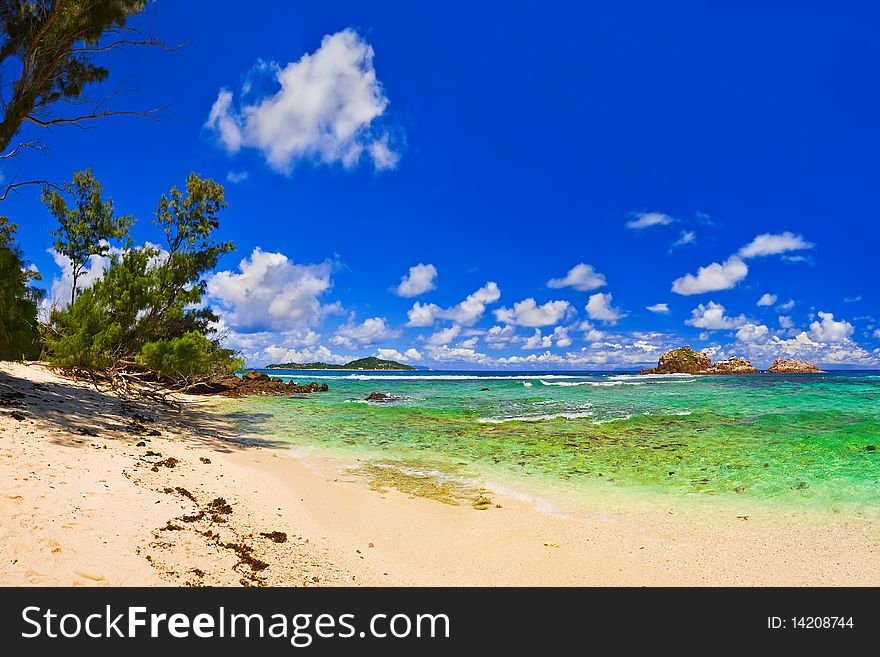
(146, 312)
(86, 227)
(19, 329)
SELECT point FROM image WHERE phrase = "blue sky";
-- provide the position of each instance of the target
(534, 160)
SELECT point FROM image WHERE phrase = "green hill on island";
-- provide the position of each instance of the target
(370, 363)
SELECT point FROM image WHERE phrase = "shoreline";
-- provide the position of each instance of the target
(84, 504)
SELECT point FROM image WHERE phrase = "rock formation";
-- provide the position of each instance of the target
(255, 383)
(735, 365)
(793, 366)
(685, 360)
(379, 396)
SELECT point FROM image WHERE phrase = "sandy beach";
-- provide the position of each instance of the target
(97, 490)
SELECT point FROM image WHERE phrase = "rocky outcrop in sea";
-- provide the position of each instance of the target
(256, 383)
(685, 360)
(793, 366)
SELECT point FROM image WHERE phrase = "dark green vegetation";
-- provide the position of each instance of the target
(144, 316)
(369, 363)
(19, 329)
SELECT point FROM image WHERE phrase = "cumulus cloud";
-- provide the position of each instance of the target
(393, 354)
(752, 333)
(646, 219)
(712, 278)
(767, 299)
(774, 244)
(461, 354)
(499, 337)
(466, 313)
(659, 308)
(444, 336)
(581, 277)
(323, 110)
(419, 280)
(270, 291)
(528, 313)
(599, 307)
(829, 330)
(711, 316)
(786, 322)
(558, 338)
(369, 332)
(788, 305)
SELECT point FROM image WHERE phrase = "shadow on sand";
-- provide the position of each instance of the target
(75, 411)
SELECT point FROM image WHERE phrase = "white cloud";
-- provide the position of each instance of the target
(829, 330)
(712, 278)
(420, 279)
(581, 277)
(559, 338)
(237, 176)
(270, 291)
(461, 354)
(773, 244)
(786, 322)
(393, 354)
(530, 314)
(466, 313)
(767, 299)
(444, 336)
(647, 219)
(877, 333)
(423, 314)
(752, 333)
(599, 307)
(659, 308)
(369, 332)
(788, 305)
(499, 337)
(686, 237)
(323, 111)
(711, 316)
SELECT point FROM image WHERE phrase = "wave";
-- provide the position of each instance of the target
(427, 377)
(649, 377)
(535, 418)
(599, 384)
(612, 419)
(527, 384)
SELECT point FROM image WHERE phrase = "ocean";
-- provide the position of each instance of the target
(804, 440)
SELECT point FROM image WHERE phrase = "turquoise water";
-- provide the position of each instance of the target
(804, 439)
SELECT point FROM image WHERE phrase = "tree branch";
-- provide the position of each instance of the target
(46, 123)
(12, 186)
(34, 143)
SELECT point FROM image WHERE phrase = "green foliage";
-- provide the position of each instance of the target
(146, 310)
(54, 42)
(86, 226)
(19, 329)
(190, 356)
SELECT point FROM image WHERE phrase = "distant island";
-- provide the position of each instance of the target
(370, 363)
